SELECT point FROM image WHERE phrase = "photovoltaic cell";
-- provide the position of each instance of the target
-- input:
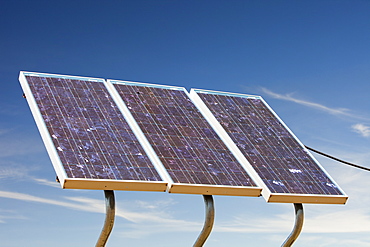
(187, 146)
(286, 168)
(89, 135)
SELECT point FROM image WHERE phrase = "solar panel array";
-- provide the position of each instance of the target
(285, 167)
(91, 137)
(187, 146)
(120, 135)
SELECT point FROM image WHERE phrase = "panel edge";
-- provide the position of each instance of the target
(177, 188)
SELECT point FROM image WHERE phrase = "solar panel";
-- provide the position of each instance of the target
(287, 171)
(194, 156)
(88, 139)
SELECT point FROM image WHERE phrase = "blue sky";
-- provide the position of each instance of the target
(310, 61)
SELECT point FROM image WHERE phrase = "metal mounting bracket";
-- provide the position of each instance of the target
(208, 223)
(110, 209)
(299, 217)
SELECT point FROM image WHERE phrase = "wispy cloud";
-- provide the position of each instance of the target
(289, 97)
(362, 129)
(155, 204)
(46, 182)
(150, 221)
(13, 170)
(136, 217)
(9, 214)
(323, 240)
(338, 221)
(335, 111)
(144, 219)
(30, 198)
(317, 222)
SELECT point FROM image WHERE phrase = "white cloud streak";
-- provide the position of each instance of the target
(9, 214)
(335, 111)
(317, 222)
(150, 221)
(30, 198)
(12, 171)
(362, 129)
(46, 182)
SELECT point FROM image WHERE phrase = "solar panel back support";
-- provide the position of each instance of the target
(91, 135)
(156, 128)
(234, 131)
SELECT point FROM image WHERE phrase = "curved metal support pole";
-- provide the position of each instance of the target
(109, 218)
(208, 223)
(299, 216)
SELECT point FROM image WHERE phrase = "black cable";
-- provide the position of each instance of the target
(334, 158)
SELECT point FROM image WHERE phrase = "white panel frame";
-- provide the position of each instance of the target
(266, 193)
(79, 183)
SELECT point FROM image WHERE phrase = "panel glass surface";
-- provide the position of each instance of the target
(188, 147)
(90, 134)
(275, 154)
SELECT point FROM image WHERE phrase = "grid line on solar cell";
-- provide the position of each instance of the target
(187, 146)
(278, 158)
(91, 136)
